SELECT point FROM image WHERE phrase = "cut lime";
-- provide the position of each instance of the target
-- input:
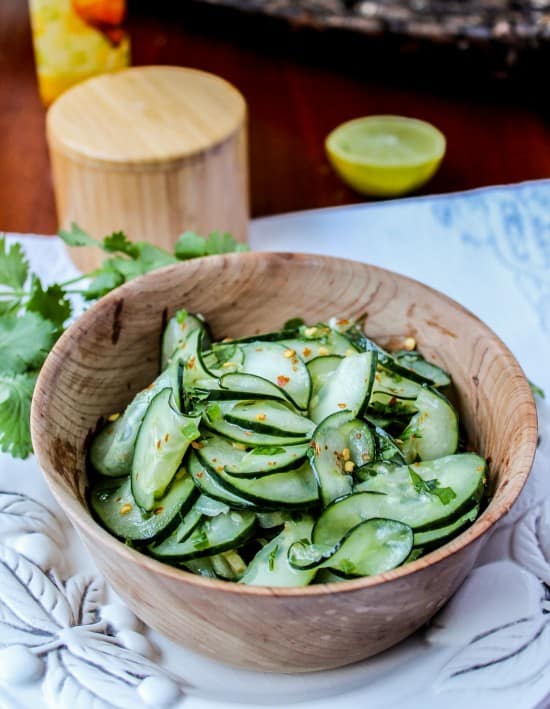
(385, 155)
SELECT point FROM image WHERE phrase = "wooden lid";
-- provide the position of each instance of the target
(144, 116)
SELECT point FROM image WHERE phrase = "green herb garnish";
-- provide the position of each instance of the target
(432, 487)
(33, 316)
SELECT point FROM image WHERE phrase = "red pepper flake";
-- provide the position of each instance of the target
(196, 445)
(200, 474)
(159, 443)
(282, 381)
(158, 510)
(342, 406)
(167, 438)
(191, 362)
(306, 351)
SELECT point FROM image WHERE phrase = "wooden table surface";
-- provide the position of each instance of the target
(295, 98)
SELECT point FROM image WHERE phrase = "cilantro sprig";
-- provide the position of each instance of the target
(33, 316)
(432, 487)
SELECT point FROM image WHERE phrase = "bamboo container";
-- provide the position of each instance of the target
(153, 151)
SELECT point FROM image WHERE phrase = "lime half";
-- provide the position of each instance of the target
(385, 155)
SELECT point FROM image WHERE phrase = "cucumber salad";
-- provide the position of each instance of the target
(307, 455)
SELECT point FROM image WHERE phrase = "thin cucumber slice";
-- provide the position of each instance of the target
(398, 495)
(210, 507)
(112, 503)
(392, 383)
(268, 520)
(439, 535)
(270, 566)
(386, 447)
(379, 467)
(191, 354)
(162, 441)
(237, 385)
(112, 449)
(372, 547)
(272, 361)
(320, 370)
(432, 432)
(329, 344)
(270, 417)
(340, 443)
(224, 359)
(201, 567)
(328, 576)
(214, 420)
(431, 372)
(228, 565)
(176, 331)
(211, 486)
(264, 460)
(293, 489)
(348, 388)
(189, 522)
(212, 536)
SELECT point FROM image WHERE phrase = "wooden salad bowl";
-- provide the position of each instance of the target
(112, 351)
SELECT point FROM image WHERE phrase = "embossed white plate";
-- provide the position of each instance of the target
(67, 641)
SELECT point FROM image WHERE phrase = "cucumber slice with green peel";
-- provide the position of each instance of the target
(162, 441)
(391, 383)
(433, 432)
(348, 388)
(201, 567)
(327, 345)
(176, 331)
(340, 443)
(191, 354)
(270, 566)
(269, 520)
(378, 467)
(423, 495)
(390, 406)
(419, 365)
(273, 362)
(212, 536)
(439, 535)
(386, 447)
(112, 503)
(228, 565)
(372, 547)
(223, 360)
(212, 487)
(213, 419)
(235, 386)
(189, 522)
(294, 489)
(112, 449)
(270, 417)
(264, 460)
(210, 507)
(320, 370)
(328, 576)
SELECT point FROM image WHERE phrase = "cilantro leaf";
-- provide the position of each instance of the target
(14, 267)
(273, 556)
(431, 487)
(24, 341)
(15, 405)
(106, 280)
(190, 245)
(536, 389)
(119, 242)
(152, 257)
(77, 237)
(52, 304)
(218, 243)
(9, 304)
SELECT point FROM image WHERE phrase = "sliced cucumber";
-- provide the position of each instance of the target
(270, 566)
(212, 536)
(292, 489)
(228, 565)
(112, 503)
(112, 449)
(162, 441)
(201, 567)
(348, 388)
(191, 354)
(439, 535)
(210, 507)
(340, 442)
(372, 547)
(211, 486)
(319, 345)
(273, 362)
(189, 522)
(264, 460)
(215, 421)
(432, 432)
(395, 495)
(415, 362)
(386, 447)
(320, 370)
(237, 385)
(176, 331)
(270, 417)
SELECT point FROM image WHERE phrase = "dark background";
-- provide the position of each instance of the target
(298, 85)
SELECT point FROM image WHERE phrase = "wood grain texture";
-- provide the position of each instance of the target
(296, 91)
(112, 351)
(151, 151)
